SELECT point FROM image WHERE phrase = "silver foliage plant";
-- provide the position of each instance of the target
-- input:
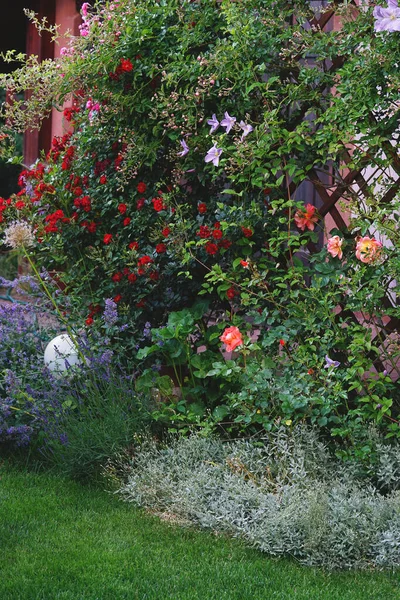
(286, 496)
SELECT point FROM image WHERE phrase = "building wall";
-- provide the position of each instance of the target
(65, 14)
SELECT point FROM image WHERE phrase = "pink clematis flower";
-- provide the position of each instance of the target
(228, 122)
(213, 155)
(185, 148)
(246, 128)
(387, 19)
(214, 123)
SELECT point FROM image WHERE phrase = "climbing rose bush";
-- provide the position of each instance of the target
(184, 174)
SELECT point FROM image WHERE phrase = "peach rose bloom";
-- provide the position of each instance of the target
(306, 218)
(368, 249)
(334, 246)
(232, 338)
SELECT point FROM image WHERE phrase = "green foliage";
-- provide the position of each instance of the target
(101, 417)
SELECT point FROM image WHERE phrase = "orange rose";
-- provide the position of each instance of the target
(232, 338)
(368, 249)
(306, 218)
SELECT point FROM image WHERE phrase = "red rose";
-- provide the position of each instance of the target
(91, 227)
(86, 204)
(126, 221)
(89, 321)
(202, 208)
(19, 204)
(107, 238)
(144, 260)
(103, 179)
(154, 275)
(132, 277)
(211, 248)
(133, 246)
(126, 65)
(204, 232)
(231, 293)
(117, 298)
(158, 204)
(117, 277)
(217, 234)
(166, 231)
(140, 203)
(122, 208)
(224, 244)
(161, 248)
(247, 232)
(141, 187)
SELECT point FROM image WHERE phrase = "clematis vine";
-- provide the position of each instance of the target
(185, 148)
(228, 122)
(245, 128)
(214, 123)
(213, 155)
(331, 364)
(387, 19)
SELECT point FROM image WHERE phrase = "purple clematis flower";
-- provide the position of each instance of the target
(245, 128)
(228, 122)
(331, 363)
(387, 19)
(185, 148)
(214, 123)
(213, 155)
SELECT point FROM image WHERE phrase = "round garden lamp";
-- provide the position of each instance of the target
(61, 353)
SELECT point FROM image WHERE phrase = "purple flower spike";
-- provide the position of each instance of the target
(387, 19)
(213, 155)
(228, 122)
(245, 128)
(214, 123)
(331, 363)
(185, 148)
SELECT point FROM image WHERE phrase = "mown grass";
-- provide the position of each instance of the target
(62, 541)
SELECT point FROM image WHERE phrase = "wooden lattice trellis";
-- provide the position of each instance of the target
(345, 183)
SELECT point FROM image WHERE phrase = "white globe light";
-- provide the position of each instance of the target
(61, 349)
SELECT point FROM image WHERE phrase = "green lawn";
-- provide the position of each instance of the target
(59, 540)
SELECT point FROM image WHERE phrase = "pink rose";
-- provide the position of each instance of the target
(334, 246)
(368, 249)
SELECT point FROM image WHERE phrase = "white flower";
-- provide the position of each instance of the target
(19, 234)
